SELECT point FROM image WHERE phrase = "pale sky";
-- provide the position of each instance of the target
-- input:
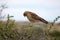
(47, 9)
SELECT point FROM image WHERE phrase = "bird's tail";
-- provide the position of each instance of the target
(44, 21)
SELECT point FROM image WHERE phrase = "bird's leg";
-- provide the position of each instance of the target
(31, 24)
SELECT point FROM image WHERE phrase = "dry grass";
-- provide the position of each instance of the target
(25, 28)
(23, 31)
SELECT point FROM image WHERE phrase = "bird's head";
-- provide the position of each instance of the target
(26, 13)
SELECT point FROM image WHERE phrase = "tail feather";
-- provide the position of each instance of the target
(44, 21)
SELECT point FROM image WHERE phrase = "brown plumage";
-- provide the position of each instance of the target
(33, 17)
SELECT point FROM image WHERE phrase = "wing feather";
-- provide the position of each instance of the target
(38, 18)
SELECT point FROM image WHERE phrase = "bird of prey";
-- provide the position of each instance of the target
(33, 17)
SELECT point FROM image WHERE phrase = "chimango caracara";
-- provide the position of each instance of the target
(33, 17)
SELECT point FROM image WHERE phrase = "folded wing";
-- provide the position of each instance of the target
(38, 18)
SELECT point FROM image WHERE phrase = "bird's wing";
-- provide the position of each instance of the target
(38, 18)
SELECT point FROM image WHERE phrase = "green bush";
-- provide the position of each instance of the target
(55, 33)
(8, 32)
(32, 33)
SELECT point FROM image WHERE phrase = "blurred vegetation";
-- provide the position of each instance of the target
(7, 28)
(9, 32)
(54, 35)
